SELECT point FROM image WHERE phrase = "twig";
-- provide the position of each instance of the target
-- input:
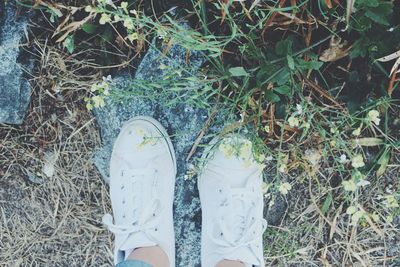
(391, 83)
(322, 91)
(201, 134)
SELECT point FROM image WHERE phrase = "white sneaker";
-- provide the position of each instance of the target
(232, 204)
(142, 178)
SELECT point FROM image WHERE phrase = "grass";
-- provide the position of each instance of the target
(53, 220)
(300, 78)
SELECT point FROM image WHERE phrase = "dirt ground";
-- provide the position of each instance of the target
(51, 197)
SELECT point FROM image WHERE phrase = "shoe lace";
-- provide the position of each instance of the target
(237, 227)
(145, 216)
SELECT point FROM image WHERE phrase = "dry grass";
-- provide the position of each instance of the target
(53, 221)
(307, 237)
(56, 220)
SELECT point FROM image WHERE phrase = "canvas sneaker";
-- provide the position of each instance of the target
(142, 178)
(232, 203)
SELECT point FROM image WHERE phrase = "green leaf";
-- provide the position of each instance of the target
(271, 96)
(89, 28)
(310, 65)
(368, 141)
(327, 204)
(265, 73)
(69, 43)
(383, 161)
(290, 62)
(284, 47)
(282, 77)
(377, 17)
(238, 71)
(283, 90)
(366, 3)
(360, 48)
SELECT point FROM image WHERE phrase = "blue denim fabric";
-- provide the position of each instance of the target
(133, 263)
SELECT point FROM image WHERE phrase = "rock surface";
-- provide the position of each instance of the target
(15, 90)
(183, 122)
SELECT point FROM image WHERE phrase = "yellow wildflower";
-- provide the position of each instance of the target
(285, 188)
(373, 115)
(349, 185)
(358, 161)
(104, 18)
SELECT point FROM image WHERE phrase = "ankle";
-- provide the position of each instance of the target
(230, 263)
(153, 256)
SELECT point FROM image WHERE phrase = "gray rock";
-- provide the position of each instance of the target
(183, 122)
(15, 90)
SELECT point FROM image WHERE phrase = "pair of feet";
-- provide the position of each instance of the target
(142, 179)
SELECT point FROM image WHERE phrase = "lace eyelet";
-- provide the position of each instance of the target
(155, 229)
(220, 190)
(123, 201)
(124, 216)
(154, 215)
(221, 234)
(122, 187)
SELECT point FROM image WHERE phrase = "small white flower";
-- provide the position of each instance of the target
(162, 66)
(343, 158)
(265, 187)
(351, 210)
(89, 9)
(357, 216)
(133, 36)
(285, 188)
(128, 24)
(373, 115)
(269, 158)
(108, 78)
(124, 5)
(226, 149)
(282, 168)
(313, 156)
(358, 161)
(98, 101)
(306, 125)
(357, 131)
(293, 121)
(245, 150)
(363, 183)
(104, 18)
(299, 109)
(391, 201)
(349, 185)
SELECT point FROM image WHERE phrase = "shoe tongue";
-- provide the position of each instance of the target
(237, 217)
(246, 256)
(136, 240)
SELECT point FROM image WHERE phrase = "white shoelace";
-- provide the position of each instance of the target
(243, 230)
(146, 216)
